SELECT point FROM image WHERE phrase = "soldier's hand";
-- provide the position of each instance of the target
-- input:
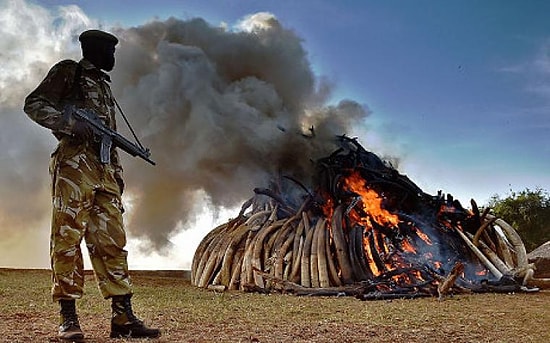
(82, 130)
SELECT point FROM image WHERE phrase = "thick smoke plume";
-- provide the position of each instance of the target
(223, 111)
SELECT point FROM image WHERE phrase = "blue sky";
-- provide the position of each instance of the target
(459, 90)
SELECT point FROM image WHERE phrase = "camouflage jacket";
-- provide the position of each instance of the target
(45, 104)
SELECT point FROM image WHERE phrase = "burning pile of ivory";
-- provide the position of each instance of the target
(363, 230)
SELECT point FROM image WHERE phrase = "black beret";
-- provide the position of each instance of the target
(97, 35)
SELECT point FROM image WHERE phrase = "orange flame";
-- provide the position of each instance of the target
(370, 260)
(483, 272)
(423, 236)
(328, 207)
(407, 246)
(372, 202)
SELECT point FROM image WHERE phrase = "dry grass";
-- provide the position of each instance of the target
(187, 314)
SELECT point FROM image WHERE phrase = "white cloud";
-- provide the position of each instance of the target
(33, 38)
(258, 22)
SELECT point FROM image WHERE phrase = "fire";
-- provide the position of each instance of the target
(370, 259)
(365, 227)
(328, 207)
(483, 272)
(423, 236)
(373, 216)
(407, 246)
(371, 201)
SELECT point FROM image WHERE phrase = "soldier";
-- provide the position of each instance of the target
(86, 194)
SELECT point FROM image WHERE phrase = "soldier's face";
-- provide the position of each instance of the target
(109, 58)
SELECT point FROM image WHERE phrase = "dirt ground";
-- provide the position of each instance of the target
(187, 314)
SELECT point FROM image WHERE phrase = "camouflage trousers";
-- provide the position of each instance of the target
(86, 205)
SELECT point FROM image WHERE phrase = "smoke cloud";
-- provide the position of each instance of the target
(32, 40)
(223, 111)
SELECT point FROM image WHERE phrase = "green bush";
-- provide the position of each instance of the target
(528, 211)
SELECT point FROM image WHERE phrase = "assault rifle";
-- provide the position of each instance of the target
(109, 137)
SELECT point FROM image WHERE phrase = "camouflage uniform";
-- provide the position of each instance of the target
(86, 196)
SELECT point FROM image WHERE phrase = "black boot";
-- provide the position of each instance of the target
(69, 327)
(125, 324)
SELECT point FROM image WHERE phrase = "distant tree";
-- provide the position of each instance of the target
(528, 212)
